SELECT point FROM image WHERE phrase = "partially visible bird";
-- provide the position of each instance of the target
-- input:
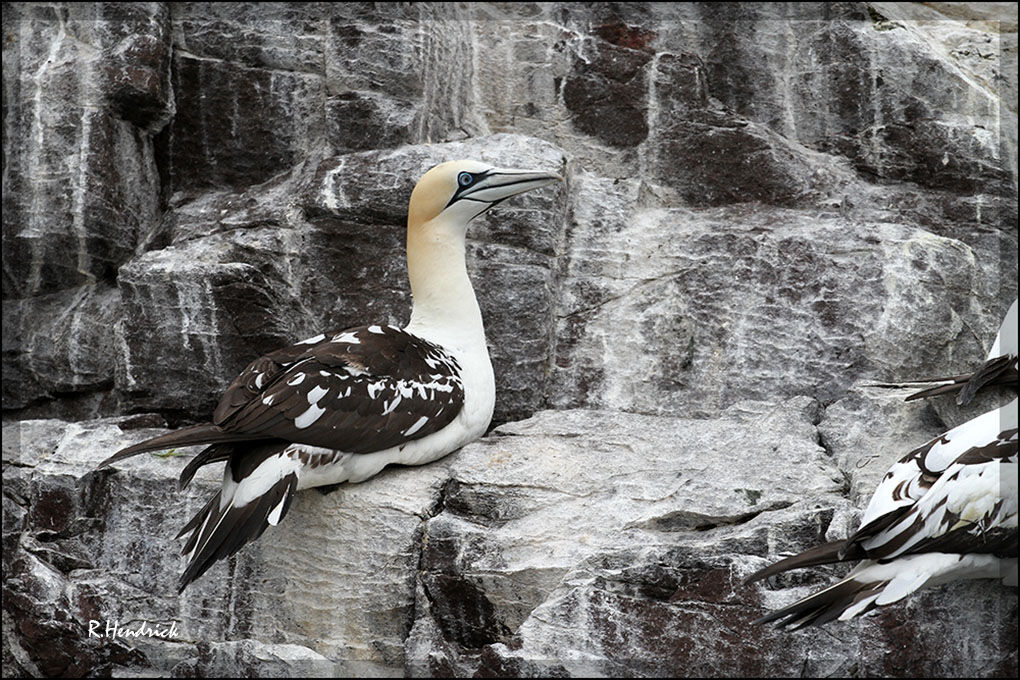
(1000, 368)
(342, 405)
(945, 511)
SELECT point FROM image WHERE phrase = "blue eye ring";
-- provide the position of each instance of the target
(465, 178)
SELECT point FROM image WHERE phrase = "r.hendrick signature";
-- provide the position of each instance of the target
(115, 630)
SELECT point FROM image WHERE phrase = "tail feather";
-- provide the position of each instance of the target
(874, 584)
(946, 388)
(827, 553)
(206, 433)
(211, 454)
(237, 514)
(195, 521)
(827, 605)
(998, 371)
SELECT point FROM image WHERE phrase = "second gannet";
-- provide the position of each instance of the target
(342, 405)
(945, 511)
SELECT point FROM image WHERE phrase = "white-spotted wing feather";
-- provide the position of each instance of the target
(908, 480)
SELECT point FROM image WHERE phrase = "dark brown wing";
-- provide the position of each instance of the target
(206, 433)
(253, 379)
(359, 390)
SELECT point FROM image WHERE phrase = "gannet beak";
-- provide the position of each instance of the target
(500, 184)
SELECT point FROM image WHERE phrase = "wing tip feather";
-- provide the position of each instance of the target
(219, 533)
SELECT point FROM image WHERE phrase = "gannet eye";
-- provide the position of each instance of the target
(465, 179)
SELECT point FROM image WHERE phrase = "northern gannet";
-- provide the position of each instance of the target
(1000, 367)
(342, 405)
(945, 511)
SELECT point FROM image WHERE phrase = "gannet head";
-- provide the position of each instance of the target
(459, 191)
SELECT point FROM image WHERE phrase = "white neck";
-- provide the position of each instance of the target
(445, 310)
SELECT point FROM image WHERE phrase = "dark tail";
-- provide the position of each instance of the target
(943, 385)
(210, 454)
(827, 553)
(958, 384)
(206, 433)
(219, 532)
(998, 371)
(827, 605)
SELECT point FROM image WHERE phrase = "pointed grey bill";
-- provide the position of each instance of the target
(499, 184)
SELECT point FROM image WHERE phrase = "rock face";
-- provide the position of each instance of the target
(767, 209)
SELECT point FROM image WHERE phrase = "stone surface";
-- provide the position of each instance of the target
(768, 210)
(618, 549)
(572, 543)
(48, 334)
(668, 310)
(85, 85)
(83, 545)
